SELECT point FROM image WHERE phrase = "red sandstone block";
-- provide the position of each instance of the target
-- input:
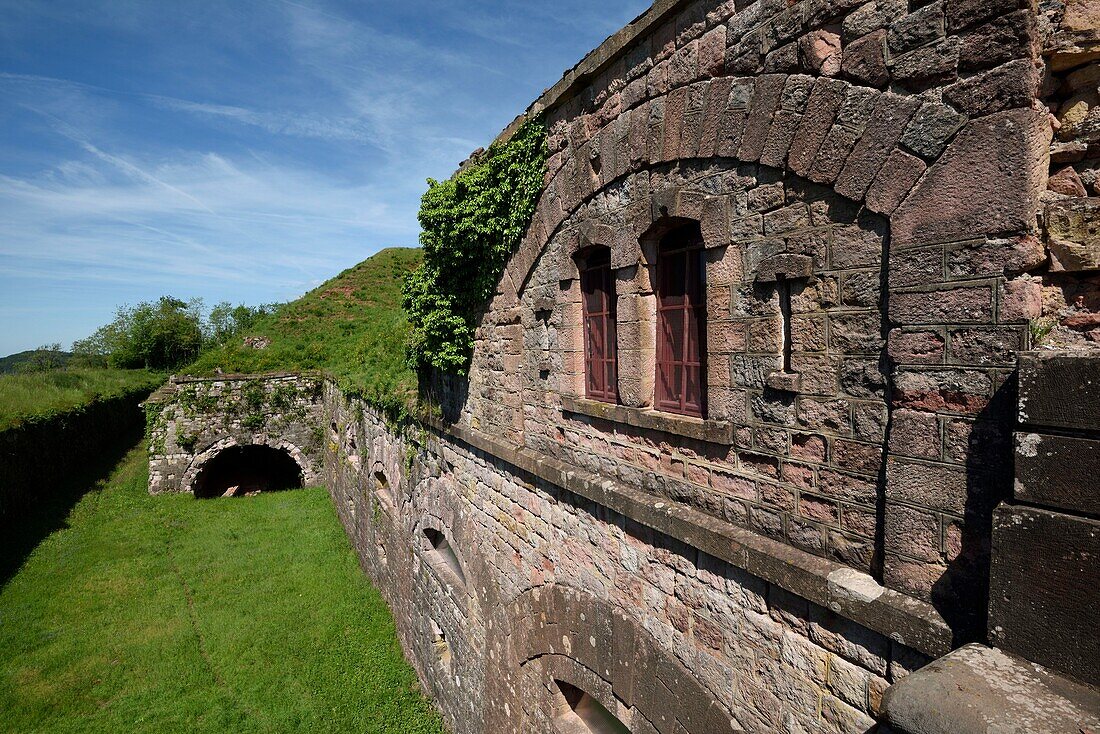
(777, 496)
(915, 578)
(858, 520)
(958, 305)
(969, 441)
(825, 99)
(894, 181)
(916, 267)
(847, 487)
(948, 390)
(733, 486)
(784, 125)
(986, 182)
(807, 536)
(818, 509)
(684, 65)
(717, 97)
(859, 244)
(712, 52)
(884, 130)
(990, 346)
(914, 433)
(913, 533)
(825, 415)
(831, 155)
(798, 475)
(1021, 300)
(864, 458)
(916, 347)
(864, 60)
(869, 421)
(765, 101)
(937, 487)
(808, 447)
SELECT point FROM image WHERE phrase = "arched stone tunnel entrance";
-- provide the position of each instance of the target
(241, 470)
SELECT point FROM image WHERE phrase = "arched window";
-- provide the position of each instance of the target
(681, 323)
(600, 351)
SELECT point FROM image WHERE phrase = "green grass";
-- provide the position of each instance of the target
(353, 326)
(40, 393)
(167, 614)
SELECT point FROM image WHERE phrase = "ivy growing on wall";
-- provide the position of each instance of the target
(470, 225)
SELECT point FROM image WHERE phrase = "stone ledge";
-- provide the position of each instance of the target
(981, 690)
(718, 432)
(856, 596)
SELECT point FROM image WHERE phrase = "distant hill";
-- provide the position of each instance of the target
(352, 326)
(10, 364)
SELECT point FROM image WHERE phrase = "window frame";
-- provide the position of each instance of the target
(594, 266)
(689, 307)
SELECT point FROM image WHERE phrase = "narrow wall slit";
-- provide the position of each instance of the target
(243, 470)
(580, 713)
(443, 556)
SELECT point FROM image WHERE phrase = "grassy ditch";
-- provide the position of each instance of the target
(167, 614)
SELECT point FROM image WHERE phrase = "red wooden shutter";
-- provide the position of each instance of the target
(681, 325)
(600, 347)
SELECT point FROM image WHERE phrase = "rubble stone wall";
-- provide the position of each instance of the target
(192, 420)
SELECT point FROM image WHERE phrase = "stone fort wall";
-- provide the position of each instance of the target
(826, 528)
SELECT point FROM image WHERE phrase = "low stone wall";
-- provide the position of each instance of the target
(192, 420)
(41, 452)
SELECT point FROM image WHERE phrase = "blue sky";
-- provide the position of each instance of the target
(243, 150)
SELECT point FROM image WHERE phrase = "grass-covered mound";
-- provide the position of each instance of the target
(40, 394)
(167, 614)
(353, 327)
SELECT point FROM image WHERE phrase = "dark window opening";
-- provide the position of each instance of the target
(601, 369)
(443, 556)
(681, 323)
(244, 470)
(583, 714)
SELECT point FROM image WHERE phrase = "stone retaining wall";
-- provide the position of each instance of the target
(191, 420)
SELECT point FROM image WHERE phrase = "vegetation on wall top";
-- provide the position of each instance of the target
(40, 395)
(471, 225)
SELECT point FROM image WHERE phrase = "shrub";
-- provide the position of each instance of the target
(471, 225)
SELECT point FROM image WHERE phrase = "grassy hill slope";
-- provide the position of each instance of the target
(352, 326)
(13, 362)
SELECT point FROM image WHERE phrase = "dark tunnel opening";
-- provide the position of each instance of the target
(243, 470)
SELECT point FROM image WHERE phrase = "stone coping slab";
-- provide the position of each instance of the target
(843, 590)
(982, 690)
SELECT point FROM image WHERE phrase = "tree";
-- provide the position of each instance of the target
(161, 335)
(227, 321)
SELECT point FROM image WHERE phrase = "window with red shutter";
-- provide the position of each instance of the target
(601, 376)
(681, 324)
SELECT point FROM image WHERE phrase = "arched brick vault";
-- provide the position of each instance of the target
(310, 472)
(954, 183)
(556, 633)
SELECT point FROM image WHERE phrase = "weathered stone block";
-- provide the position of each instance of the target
(1045, 381)
(1058, 472)
(1073, 234)
(987, 181)
(1043, 579)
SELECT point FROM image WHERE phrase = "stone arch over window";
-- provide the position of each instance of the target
(195, 477)
(555, 641)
